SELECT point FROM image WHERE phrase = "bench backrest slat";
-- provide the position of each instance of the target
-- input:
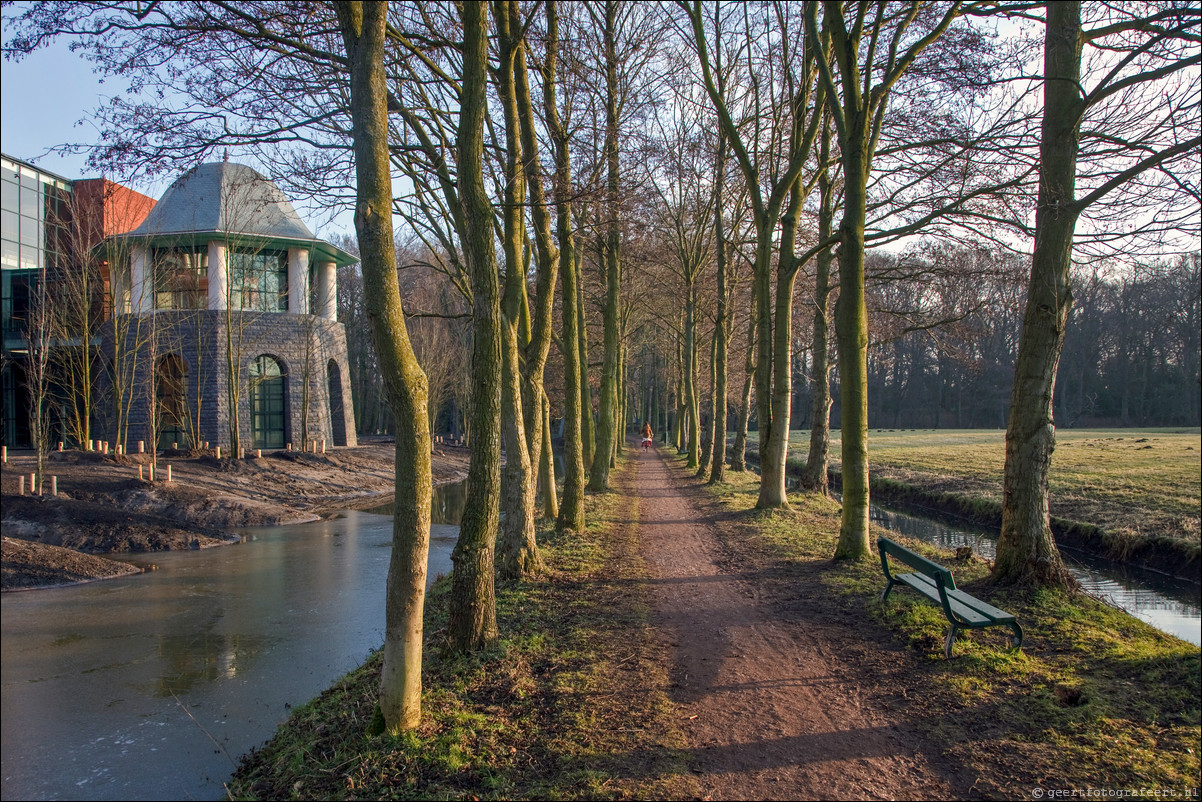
(921, 564)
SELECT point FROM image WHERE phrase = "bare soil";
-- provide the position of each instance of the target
(781, 696)
(104, 508)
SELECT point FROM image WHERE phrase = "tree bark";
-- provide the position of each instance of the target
(363, 26)
(519, 550)
(607, 434)
(1026, 552)
(571, 511)
(814, 476)
(738, 449)
(472, 620)
(851, 331)
(546, 468)
(773, 459)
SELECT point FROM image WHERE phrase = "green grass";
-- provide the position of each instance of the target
(1132, 482)
(1096, 698)
(566, 705)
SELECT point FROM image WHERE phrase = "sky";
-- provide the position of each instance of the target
(48, 99)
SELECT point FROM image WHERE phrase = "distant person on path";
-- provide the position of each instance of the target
(648, 437)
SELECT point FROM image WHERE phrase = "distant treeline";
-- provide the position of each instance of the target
(947, 328)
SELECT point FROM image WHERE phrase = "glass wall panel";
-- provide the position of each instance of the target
(259, 280)
(181, 278)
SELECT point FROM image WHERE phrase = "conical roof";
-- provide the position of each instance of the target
(223, 197)
(230, 200)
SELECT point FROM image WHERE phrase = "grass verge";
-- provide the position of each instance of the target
(1095, 699)
(568, 704)
(1130, 495)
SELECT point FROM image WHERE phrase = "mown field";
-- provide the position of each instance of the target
(1136, 482)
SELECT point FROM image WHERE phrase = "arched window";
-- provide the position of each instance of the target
(268, 402)
(171, 387)
(337, 415)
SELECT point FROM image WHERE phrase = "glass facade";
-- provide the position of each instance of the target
(259, 280)
(268, 403)
(181, 278)
(35, 218)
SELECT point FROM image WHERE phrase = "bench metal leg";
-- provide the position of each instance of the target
(949, 642)
(885, 592)
(1016, 642)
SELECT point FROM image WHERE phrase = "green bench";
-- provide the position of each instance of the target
(936, 583)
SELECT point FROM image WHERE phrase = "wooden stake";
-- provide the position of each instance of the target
(54, 485)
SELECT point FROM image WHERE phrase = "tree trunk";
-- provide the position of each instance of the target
(721, 335)
(547, 466)
(363, 27)
(1026, 552)
(689, 383)
(472, 620)
(575, 385)
(773, 459)
(814, 476)
(588, 431)
(771, 483)
(519, 551)
(851, 331)
(738, 449)
(607, 419)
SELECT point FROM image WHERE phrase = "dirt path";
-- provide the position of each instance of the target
(767, 713)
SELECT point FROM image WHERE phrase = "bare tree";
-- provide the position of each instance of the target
(1143, 95)
(363, 27)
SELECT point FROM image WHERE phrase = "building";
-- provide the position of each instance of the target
(216, 306)
(48, 224)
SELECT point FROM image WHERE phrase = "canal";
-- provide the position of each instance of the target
(1168, 603)
(151, 686)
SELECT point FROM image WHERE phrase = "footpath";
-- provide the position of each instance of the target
(767, 709)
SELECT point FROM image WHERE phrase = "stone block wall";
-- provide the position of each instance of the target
(207, 342)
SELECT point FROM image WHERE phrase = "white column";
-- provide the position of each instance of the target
(298, 281)
(141, 279)
(327, 290)
(119, 288)
(219, 276)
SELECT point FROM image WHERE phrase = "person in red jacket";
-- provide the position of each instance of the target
(648, 437)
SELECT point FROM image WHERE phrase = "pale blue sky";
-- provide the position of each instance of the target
(48, 99)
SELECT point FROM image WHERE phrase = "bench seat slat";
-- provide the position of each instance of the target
(927, 587)
(985, 609)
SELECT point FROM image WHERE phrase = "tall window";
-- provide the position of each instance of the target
(268, 403)
(170, 392)
(259, 280)
(181, 278)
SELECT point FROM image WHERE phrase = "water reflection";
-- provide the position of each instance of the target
(142, 687)
(1171, 605)
(446, 505)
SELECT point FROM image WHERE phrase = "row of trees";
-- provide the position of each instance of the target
(642, 185)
